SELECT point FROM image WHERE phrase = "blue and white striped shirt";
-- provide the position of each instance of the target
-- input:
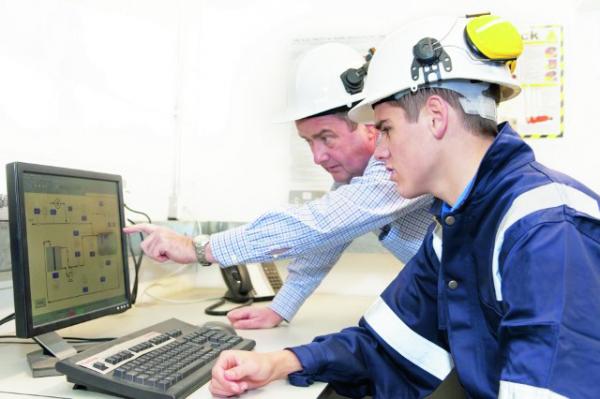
(316, 233)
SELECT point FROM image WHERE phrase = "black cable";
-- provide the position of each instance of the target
(35, 394)
(138, 212)
(71, 340)
(137, 262)
(8, 318)
(15, 342)
(211, 312)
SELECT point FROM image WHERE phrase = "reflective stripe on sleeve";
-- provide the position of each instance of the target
(543, 197)
(437, 241)
(418, 350)
(514, 390)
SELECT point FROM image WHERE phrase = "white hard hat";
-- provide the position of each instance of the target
(319, 86)
(439, 52)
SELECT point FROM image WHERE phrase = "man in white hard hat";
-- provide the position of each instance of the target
(504, 288)
(327, 83)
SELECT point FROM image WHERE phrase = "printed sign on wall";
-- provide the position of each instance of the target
(538, 112)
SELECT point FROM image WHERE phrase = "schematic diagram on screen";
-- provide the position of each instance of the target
(82, 258)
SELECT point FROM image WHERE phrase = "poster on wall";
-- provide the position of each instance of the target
(538, 112)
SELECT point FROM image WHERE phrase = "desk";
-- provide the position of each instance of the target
(321, 314)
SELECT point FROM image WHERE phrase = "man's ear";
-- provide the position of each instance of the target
(436, 113)
(372, 132)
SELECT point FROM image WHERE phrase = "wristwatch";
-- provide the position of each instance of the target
(200, 243)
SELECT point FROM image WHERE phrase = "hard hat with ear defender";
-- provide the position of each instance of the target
(444, 52)
(327, 77)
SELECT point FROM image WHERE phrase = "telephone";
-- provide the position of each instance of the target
(259, 281)
(247, 284)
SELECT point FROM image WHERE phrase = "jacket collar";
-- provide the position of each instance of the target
(507, 153)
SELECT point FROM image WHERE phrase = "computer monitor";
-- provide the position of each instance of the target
(68, 252)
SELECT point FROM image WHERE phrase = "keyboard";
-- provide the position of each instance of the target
(171, 360)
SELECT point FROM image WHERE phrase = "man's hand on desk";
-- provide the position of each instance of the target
(238, 371)
(254, 317)
(163, 244)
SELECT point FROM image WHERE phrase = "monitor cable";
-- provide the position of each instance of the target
(71, 340)
(137, 261)
(16, 342)
(138, 212)
(36, 395)
(8, 318)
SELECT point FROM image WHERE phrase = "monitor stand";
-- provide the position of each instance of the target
(54, 349)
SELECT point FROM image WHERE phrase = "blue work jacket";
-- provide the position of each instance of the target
(505, 288)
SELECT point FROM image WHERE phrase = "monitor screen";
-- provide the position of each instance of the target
(68, 252)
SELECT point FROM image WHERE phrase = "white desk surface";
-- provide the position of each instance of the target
(321, 314)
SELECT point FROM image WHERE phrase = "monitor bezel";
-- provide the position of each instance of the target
(19, 252)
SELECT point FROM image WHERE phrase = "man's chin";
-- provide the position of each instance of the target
(407, 192)
(341, 178)
(339, 175)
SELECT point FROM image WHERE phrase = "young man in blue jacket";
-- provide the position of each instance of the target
(504, 288)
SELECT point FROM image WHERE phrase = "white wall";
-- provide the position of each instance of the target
(90, 85)
(179, 95)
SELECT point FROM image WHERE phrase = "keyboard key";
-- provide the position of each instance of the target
(140, 378)
(174, 333)
(119, 372)
(112, 360)
(130, 375)
(151, 381)
(164, 384)
(100, 366)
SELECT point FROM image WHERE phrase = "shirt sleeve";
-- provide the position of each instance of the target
(550, 332)
(366, 203)
(305, 273)
(403, 237)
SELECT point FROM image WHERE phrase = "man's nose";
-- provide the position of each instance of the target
(320, 154)
(382, 151)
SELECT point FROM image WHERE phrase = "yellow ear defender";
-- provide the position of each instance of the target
(493, 38)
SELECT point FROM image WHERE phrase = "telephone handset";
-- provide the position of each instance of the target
(259, 281)
(248, 283)
(238, 283)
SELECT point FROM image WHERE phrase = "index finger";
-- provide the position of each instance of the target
(140, 228)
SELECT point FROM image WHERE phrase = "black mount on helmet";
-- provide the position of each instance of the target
(353, 79)
(428, 53)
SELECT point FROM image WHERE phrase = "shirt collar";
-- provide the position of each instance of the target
(446, 208)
